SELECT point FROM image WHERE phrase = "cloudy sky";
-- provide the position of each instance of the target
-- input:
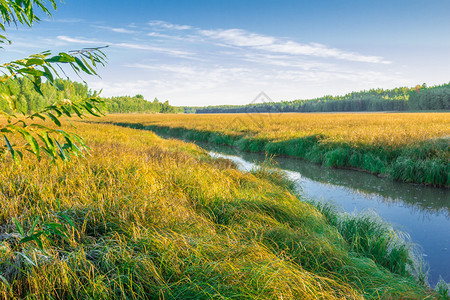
(208, 52)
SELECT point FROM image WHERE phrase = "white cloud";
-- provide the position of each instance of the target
(193, 84)
(115, 29)
(168, 51)
(262, 43)
(79, 40)
(242, 38)
(184, 38)
(287, 61)
(165, 25)
(201, 67)
(239, 37)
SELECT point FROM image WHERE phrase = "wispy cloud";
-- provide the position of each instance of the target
(243, 38)
(116, 29)
(169, 51)
(184, 38)
(165, 25)
(191, 65)
(286, 61)
(204, 84)
(217, 74)
(145, 47)
(258, 42)
(79, 40)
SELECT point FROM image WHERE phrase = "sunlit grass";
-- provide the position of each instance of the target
(412, 147)
(156, 218)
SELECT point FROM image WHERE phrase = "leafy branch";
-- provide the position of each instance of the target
(21, 11)
(37, 68)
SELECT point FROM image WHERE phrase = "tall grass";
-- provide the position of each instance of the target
(411, 147)
(147, 218)
(371, 237)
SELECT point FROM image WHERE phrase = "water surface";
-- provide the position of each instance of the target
(421, 212)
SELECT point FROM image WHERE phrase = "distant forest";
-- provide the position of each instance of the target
(127, 104)
(420, 97)
(28, 100)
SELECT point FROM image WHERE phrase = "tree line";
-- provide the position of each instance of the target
(420, 97)
(128, 104)
(435, 98)
(28, 100)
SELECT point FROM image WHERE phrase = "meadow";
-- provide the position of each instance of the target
(143, 217)
(411, 147)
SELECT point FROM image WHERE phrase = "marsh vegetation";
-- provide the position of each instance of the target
(151, 218)
(410, 147)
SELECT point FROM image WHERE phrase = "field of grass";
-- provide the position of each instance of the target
(411, 147)
(148, 218)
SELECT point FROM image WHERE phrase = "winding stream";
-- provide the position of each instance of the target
(421, 212)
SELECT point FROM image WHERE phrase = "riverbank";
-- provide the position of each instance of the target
(394, 145)
(144, 217)
(419, 212)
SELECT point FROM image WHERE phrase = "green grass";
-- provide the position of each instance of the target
(396, 151)
(147, 218)
(425, 162)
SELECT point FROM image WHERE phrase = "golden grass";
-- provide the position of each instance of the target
(411, 147)
(158, 218)
(387, 129)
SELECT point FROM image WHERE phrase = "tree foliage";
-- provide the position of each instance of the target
(434, 98)
(127, 104)
(26, 121)
(28, 100)
(398, 99)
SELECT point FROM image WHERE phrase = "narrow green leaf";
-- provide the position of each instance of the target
(31, 141)
(34, 61)
(6, 130)
(48, 129)
(39, 243)
(30, 232)
(82, 66)
(61, 153)
(38, 115)
(90, 110)
(66, 111)
(88, 66)
(67, 219)
(47, 141)
(3, 279)
(10, 148)
(29, 260)
(18, 226)
(77, 111)
(48, 74)
(19, 155)
(49, 153)
(11, 101)
(54, 119)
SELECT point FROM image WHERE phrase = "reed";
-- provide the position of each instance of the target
(410, 147)
(148, 218)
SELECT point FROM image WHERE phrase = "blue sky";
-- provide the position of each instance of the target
(208, 52)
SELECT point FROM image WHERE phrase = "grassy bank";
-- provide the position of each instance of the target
(407, 147)
(147, 218)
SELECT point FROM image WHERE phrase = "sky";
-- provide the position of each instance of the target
(214, 52)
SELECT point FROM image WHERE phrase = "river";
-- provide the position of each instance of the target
(423, 213)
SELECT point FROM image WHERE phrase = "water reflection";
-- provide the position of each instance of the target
(421, 212)
(427, 200)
